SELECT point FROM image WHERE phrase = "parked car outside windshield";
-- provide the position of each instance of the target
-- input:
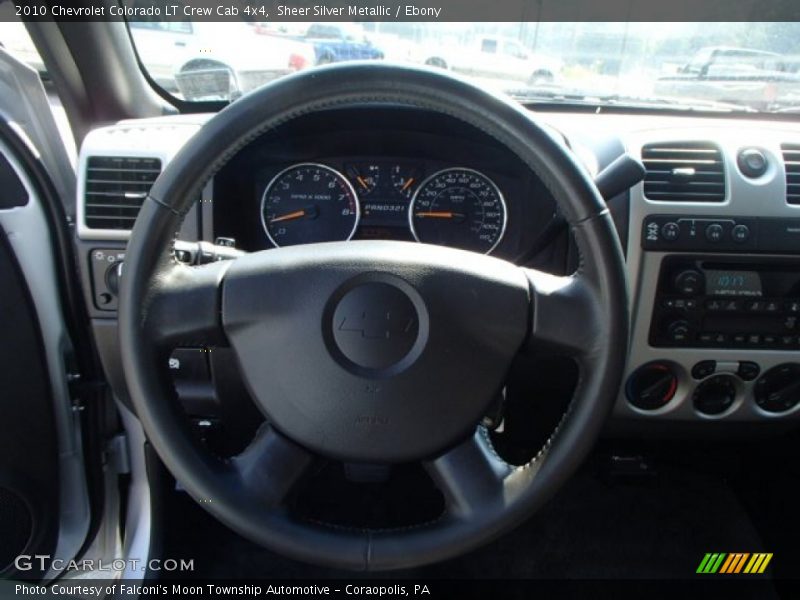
(710, 66)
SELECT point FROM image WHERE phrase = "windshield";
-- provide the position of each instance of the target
(703, 66)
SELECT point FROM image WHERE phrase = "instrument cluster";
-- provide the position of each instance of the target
(310, 202)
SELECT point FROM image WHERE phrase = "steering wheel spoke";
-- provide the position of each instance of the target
(564, 314)
(471, 476)
(271, 466)
(184, 306)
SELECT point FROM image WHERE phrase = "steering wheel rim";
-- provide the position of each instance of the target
(584, 315)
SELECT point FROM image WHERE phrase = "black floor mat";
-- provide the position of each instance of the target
(594, 528)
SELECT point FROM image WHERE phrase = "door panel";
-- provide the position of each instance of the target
(29, 487)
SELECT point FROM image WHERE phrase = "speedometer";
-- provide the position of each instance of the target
(460, 208)
(309, 203)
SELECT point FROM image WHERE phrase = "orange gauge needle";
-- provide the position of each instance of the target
(440, 214)
(407, 184)
(362, 181)
(289, 216)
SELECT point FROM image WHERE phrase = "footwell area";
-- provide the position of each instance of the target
(597, 527)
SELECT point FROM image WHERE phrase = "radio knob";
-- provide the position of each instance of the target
(778, 390)
(651, 386)
(689, 282)
(678, 330)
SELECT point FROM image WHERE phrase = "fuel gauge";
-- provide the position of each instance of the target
(365, 178)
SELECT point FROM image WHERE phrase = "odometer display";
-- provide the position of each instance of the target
(309, 203)
(460, 208)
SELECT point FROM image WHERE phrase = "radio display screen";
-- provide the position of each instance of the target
(733, 283)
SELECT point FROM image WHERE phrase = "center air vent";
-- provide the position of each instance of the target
(791, 159)
(115, 189)
(684, 172)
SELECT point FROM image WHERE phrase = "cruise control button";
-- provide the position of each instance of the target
(189, 364)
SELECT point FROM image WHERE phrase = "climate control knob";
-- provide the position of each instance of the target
(651, 386)
(715, 395)
(778, 390)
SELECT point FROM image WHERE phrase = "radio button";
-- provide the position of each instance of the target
(772, 306)
(787, 341)
(720, 338)
(731, 306)
(753, 339)
(680, 303)
(714, 233)
(739, 338)
(793, 306)
(754, 305)
(713, 305)
(740, 233)
(770, 340)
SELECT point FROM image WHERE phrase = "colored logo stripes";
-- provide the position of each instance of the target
(735, 562)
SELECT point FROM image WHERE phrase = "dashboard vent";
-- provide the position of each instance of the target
(791, 159)
(115, 188)
(684, 172)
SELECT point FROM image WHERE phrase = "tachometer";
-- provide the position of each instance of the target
(309, 203)
(460, 208)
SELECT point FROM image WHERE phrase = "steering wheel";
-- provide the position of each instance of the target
(452, 322)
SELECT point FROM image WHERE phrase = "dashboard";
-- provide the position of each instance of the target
(711, 236)
(401, 175)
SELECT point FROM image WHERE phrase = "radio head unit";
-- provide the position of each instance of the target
(727, 302)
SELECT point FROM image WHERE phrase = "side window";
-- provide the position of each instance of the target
(15, 40)
(489, 46)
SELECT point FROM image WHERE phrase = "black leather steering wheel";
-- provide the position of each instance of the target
(417, 393)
